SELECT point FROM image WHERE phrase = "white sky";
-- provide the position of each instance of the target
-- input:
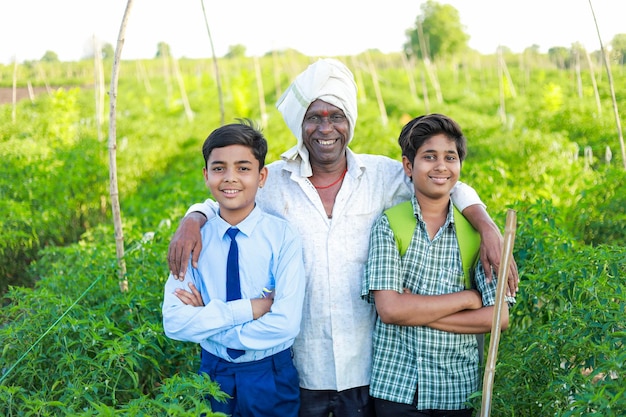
(29, 28)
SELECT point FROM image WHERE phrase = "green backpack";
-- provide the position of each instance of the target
(403, 222)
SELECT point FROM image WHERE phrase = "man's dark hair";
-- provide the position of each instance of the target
(242, 133)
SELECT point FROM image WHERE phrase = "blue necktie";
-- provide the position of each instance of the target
(233, 287)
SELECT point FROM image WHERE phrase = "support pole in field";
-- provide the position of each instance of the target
(115, 201)
(494, 340)
(98, 86)
(384, 118)
(217, 70)
(428, 65)
(14, 96)
(261, 92)
(181, 86)
(593, 82)
(610, 75)
(408, 67)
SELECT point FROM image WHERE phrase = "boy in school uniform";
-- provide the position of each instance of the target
(425, 360)
(245, 301)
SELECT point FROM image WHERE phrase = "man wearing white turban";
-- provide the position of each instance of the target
(332, 196)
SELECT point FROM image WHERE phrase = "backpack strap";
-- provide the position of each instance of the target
(469, 245)
(403, 222)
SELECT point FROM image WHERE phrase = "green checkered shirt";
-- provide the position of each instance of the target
(441, 366)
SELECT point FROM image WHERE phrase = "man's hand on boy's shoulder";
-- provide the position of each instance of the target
(185, 243)
(491, 245)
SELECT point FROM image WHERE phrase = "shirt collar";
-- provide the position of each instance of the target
(246, 226)
(356, 167)
(417, 210)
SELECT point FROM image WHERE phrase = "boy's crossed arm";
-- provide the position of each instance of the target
(408, 309)
(460, 312)
(260, 306)
(472, 321)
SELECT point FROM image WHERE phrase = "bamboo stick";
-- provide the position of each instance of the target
(428, 65)
(492, 354)
(14, 97)
(115, 202)
(579, 79)
(425, 94)
(610, 75)
(142, 76)
(164, 53)
(98, 87)
(181, 86)
(502, 107)
(507, 74)
(379, 96)
(594, 83)
(261, 92)
(361, 91)
(42, 76)
(408, 67)
(276, 73)
(216, 67)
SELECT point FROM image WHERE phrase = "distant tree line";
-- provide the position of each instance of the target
(436, 33)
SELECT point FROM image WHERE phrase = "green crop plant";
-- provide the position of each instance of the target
(72, 344)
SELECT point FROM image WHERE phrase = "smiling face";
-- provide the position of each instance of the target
(325, 132)
(435, 168)
(233, 176)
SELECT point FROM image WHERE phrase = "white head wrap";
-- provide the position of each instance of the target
(328, 80)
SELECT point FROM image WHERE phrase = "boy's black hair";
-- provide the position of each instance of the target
(243, 133)
(422, 128)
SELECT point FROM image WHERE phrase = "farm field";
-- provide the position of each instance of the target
(542, 140)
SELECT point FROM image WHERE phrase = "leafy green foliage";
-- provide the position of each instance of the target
(110, 347)
(618, 48)
(74, 345)
(564, 351)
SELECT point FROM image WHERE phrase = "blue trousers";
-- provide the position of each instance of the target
(265, 388)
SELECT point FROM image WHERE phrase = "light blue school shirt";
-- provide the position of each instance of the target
(270, 256)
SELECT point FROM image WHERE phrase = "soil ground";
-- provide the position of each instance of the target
(21, 93)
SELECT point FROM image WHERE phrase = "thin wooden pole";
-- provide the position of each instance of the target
(594, 83)
(425, 94)
(408, 67)
(384, 118)
(261, 92)
(142, 76)
(356, 69)
(579, 78)
(276, 71)
(164, 52)
(181, 86)
(115, 201)
(610, 75)
(98, 87)
(14, 96)
(428, 65)
(31, 92)
(216, 67)
(494, 340)
(502, 108)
